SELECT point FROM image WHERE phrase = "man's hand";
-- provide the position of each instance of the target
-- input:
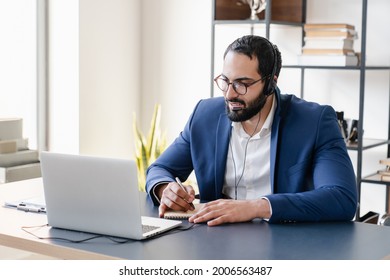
(232, 211)
(172, 196)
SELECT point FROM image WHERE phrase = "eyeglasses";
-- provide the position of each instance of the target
(238, 86)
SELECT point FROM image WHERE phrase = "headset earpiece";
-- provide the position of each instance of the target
(271, 84)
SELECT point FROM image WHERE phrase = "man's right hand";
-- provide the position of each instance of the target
(172, 196)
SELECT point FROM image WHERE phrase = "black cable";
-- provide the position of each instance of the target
(117, 240)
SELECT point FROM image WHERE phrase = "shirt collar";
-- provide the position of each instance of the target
(267, 126)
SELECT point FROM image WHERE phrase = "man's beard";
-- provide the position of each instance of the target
(249, 111)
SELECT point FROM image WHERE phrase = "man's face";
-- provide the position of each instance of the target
(240, 68)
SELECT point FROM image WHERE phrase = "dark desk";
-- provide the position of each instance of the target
(252, 240)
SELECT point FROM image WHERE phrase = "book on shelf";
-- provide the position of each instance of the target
(309, 26)
(22, 144)
(385, 172)
(17, 161)
(328, 43)
(385, 161)
(19, 158)
(328, 60)
(11, 133)
(330, 30)
(11, 128)
(342, 33)
(385, 178)
(20, 172)
(327, 51)
(8, 146)
(11, 146)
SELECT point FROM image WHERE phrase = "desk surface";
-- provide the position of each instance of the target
(252, 240)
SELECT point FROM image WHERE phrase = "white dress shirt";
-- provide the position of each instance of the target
(248, 161)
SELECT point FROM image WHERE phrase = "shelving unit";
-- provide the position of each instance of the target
(362, 143)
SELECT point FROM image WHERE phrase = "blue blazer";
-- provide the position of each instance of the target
(312, 177)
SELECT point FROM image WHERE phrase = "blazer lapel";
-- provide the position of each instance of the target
(283, 102)
(274, 145)
(222, 144)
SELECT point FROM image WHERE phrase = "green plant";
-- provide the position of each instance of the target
(148, 149)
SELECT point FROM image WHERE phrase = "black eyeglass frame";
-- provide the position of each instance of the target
(246, 85)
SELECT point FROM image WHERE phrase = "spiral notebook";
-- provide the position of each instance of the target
(182, 215)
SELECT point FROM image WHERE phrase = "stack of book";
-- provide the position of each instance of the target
(329, 44)
(385, 173)
(17, 161)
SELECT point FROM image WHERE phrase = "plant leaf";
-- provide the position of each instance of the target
(148, 150)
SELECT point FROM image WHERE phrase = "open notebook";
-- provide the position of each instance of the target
(182, 215)
(96, 195)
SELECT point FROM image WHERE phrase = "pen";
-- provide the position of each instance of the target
(181, 185)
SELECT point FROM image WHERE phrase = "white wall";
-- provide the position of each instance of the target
(109, 75)
(115, 36)
(175, 59)
(63, 68)
(94, 75)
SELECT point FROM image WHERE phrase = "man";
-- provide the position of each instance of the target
(257, 153)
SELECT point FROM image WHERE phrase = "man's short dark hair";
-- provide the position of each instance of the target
(260, 47)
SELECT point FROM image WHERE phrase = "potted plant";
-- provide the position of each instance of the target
(148, 149)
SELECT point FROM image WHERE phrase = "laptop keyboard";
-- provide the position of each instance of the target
(147, 228)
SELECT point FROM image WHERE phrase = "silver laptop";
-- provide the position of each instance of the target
(97, 195)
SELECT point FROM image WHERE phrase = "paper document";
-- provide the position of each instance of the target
(34, 204)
